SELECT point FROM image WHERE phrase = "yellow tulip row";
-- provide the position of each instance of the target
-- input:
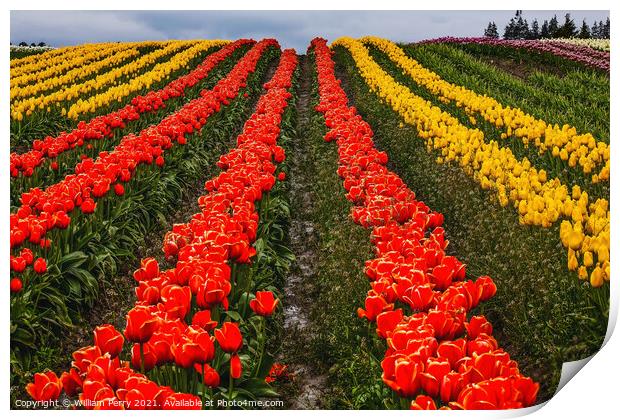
(563, 142)
(71, 93)
(585, 230)
(69, 61)
(39, 61)
(51, 66)
(77, 73)
(145, 80)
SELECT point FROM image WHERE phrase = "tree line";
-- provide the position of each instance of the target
(518, 28)
(25, 44)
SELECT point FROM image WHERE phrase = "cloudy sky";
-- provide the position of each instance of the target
(292, 28)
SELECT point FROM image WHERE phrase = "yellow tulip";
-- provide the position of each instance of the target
(597, 277)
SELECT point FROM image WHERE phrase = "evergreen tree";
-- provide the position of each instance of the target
(553, 27)
(595, 31)
(568, 29)
(522, 29)
(584, 33)
(491, 31)
(535, 31)
(41, 44)
(544, 30)
(510, 29)
(23, 44)
(606, 29)
(601, 29)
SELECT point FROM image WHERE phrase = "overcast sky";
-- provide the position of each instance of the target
(292, 28)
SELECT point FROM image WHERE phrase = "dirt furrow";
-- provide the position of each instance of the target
(307, 383)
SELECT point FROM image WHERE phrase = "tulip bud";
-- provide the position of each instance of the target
(16, 285)
(40, 266)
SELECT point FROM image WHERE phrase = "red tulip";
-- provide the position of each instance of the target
(419, 297)
(431, 379)
(18, 264)
(423, 402)
(453, 351)
(27, 255)
(375, 305)
(16, 285)
(82, 358)
(387, 321)
(71, 382)
(478, 325)
(210, 377)
(147, 294)
(159, 161)
(264, 304)
(281, 176)
(109, 340)
(141, 324)
(40, 265)
(161, 346)
(203, 319)
(139, 393)
(97, 393)
(402, 375)
(88, 206)
(119, 190)
(236, 369)
(451, 386)
(149, 269)
(149, 360)
(487, 288)
(46, 387)
(229, 337)
(205, 343)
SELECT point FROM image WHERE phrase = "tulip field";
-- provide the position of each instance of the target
(214, 224)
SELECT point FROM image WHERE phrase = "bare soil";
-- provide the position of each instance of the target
(307, 383)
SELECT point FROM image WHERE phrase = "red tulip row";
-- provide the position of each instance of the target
(176, 309)
(43, 211)
(104, 125)
(419, 296)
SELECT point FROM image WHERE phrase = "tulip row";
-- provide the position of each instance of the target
(435, 353)
(103, 126)
(580, 54)
(69, 94)
(597, 44)
(94, 65)
(19, 53)
(53, 57)
(159, 72)
(585, 232)
(565, 142)
(176, 309)
(80, 58)
(577, 97)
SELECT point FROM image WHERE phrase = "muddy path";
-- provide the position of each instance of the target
(308, 382)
